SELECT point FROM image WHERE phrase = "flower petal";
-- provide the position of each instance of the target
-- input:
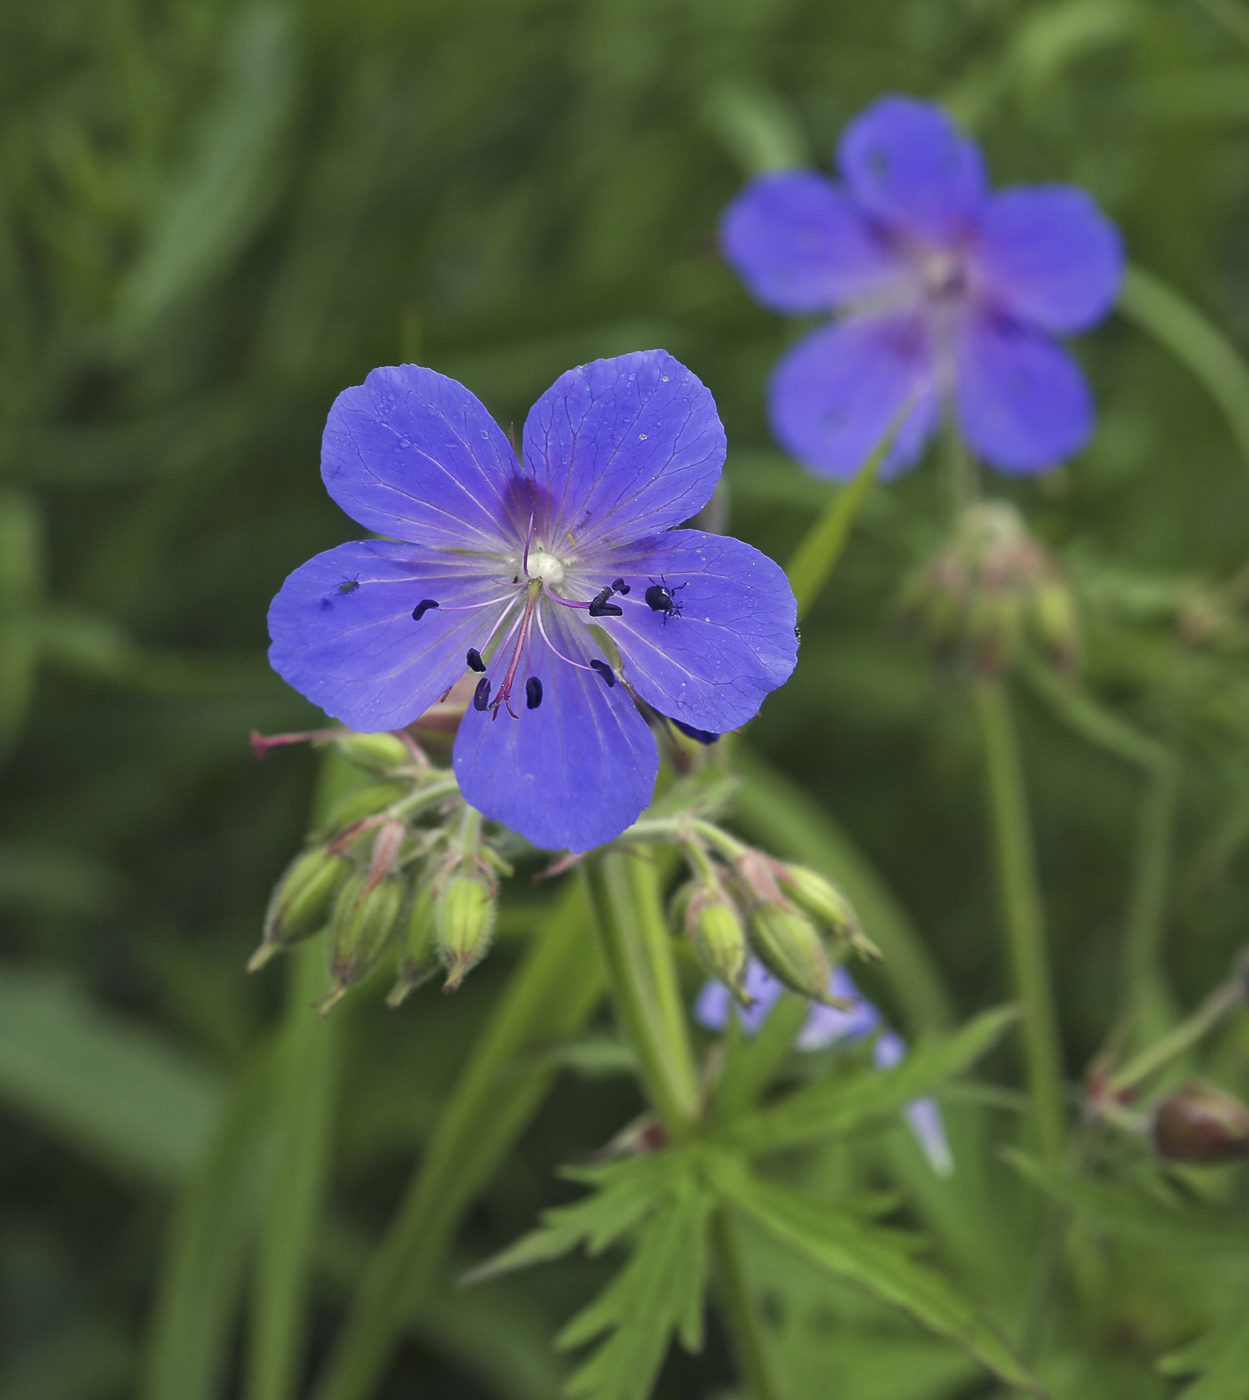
(623, 448)
(711, 663)
(344, 635)
(1022, 400)
(908, 166)
(834, 395)
(1049, 256)
(571, 774)
(801, 246)
(413, 454)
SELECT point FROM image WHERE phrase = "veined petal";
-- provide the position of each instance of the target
(730, 640)
(834, 395)
(622, 448)
(801, 246)
(907, 165)
(413, 454)
(1046, 254)
(1022, 401)
(571, 774)
(344, 635)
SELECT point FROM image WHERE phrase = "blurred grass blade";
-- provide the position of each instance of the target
(775, 810)
(301, 1123)
(1221, 1358)
(758, 129)
(550, 998)
(21, 570)
(201, 1283)
(233, 176)
(1208, 353)
(817, 555)
(117, 1092)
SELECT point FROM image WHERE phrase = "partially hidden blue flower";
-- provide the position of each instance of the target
(825, 1026)
(950, 294)
(551, 577)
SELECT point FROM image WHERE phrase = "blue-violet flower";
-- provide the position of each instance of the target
(550, 577)
(825, 1026)
(950, 293)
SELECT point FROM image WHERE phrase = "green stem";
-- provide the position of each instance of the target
(822, 545)
(636, 947)
(1148, 1000)
(960, 467)
(1021, 912)
(756, 1356)
(1176, 1041)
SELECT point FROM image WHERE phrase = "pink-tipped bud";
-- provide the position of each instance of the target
(790, 948)
(463, 926)
(715, 929)
(365, 802)
(300, 902)
(825, 903)
(418, 957)
(360, 927)
(374, 752)
(1201, 1123)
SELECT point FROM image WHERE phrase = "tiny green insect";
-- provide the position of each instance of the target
(349, 585)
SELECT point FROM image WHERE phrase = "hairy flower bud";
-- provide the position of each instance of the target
(376, 752)
(360, 926)
(300, 902)
(418, 957)
(825, 903)
(463, 926)
(988, 588)
(790, 948)
(716, 931)
(1201, 1123)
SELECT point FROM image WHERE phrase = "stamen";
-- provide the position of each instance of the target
(475, 663)
(620, 586)
(533, 693)
(481, 696)
(555, 649)
(504, 696)
(600, 607)
(604, 670)
(423, 607)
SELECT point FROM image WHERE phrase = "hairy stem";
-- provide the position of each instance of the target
(756, 1356)
(1021, 912)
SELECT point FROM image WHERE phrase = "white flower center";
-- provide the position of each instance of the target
(545, 566)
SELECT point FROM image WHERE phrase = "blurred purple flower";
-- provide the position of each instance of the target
(507, 568)
(950, 293)
(825, 1026)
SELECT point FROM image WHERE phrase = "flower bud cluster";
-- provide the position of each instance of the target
(988, 590)
(402, 869)
(740, 901)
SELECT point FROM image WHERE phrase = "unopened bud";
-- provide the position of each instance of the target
(463, 926)
(790, 948)
(418, 957)
(376, 752)
(1056, 623)
(720, 942)
(300, 902)
(365, 802)
(1201, 1123)
(360, 925)
(820, 898)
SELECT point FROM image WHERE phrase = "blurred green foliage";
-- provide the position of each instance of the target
(216, 215)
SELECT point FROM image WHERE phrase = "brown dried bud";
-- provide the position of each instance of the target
(1201, 1123)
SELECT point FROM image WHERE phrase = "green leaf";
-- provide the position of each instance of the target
(1123, 1210)
(658, 1292)
(846, 1102)
(875, 1258)
(1222, 1357)
(751, 1061)
(627, 1192)
(115, 1090)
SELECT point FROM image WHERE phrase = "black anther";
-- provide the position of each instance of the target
(481, 696)
(475, 663)
(604, 670)
(422, 608)
(600, 607)
(620, 585)
(533, 692)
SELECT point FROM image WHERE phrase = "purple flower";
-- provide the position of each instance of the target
(825, 1026)
(552, 579)
(950, 293)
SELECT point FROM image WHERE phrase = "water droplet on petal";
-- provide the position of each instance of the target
(642, 437)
